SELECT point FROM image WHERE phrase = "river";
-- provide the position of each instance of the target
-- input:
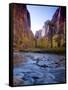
(40, 69)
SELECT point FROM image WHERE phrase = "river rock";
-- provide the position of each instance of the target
(36, 75)
(18, 59)
(42, 63)
(27, 79)
(42, 70)
(17, 81)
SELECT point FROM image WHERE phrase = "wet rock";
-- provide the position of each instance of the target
(21, 70)
(28, 80)
(36, 58)
(41, 70)
(17, 81)
(30, 56)
(27, 83)
(34, 77)
(59, 74)
(31, 78)
(42, 64)
(47, 78)
(18, 59)
(45, 81)
(19, 75)
(30, 68)
(36, 74)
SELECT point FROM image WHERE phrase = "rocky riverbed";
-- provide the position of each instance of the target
(39, 69)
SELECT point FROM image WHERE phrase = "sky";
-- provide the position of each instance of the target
(39, 14)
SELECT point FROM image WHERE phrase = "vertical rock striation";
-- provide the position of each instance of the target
(22, 34)
(59, 19)
(53, 31)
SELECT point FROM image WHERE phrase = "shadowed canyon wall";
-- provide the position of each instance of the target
(22, 34)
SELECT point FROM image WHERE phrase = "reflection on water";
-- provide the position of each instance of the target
(40, 69)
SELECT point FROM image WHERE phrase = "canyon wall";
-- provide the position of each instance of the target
(59, 19)
(22, 34)
(53, 31)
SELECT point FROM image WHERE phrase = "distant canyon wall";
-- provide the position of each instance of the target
(53, 32)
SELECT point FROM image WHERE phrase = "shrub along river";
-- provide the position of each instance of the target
(40, 69)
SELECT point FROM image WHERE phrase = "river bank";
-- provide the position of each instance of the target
(45, 50)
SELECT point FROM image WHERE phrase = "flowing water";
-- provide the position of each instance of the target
(40, 69)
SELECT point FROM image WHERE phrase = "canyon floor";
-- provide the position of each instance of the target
(38, 68)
